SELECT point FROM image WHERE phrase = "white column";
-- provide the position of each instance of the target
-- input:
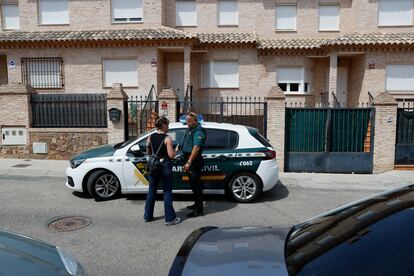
(333, 75)
(187, 69)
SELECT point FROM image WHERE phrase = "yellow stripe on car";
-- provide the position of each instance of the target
(140, 177)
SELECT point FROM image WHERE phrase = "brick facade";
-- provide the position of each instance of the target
(323, 55)
(87, 15)
(385, 132)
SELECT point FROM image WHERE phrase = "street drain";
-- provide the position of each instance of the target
(68, 224)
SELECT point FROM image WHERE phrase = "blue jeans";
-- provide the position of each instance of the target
(154, 180)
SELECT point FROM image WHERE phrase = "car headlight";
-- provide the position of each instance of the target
(76, 163)
(71, 264)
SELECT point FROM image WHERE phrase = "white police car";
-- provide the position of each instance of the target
(237, 160)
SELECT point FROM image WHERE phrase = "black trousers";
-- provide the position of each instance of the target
(196, 184)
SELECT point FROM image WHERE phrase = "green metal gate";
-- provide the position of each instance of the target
(329, 140)
(404, 148)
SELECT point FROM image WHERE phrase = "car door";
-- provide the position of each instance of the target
(135, 173)
(219, 157)
(134, 168)
(177, 136)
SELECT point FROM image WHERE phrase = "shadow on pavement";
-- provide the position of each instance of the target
(212, 203)
(278, 192)
(82, 195)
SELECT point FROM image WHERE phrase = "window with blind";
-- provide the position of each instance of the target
(329, 18)
(124, 11)
(228, 13)
(124, 71)
(11, 17)
(43, 73)
(293, 79)
(395, 12)
(286, 17)
(400, 77)
(186, 13)
(220, 74)
(53, 12)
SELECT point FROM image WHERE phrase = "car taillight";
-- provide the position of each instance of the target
(269, 154)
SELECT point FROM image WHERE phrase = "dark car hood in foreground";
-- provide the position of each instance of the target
(103, 151)
(233, 251)
(372, 236)
(21, 255)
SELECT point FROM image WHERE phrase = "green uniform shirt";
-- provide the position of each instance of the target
(194, 137)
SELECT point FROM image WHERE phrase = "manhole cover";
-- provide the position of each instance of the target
(21, 165)
(67, 224)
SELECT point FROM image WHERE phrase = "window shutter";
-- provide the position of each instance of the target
(228, 12)
(289, 75)
(205, 75)
(127, 9)
(400, 77)
(186, 13)
(123, 71)
(292, 75)
(329, 18)
(54, 12)
(225, 74)
(286, 17)
(395, 12)
(11, 17)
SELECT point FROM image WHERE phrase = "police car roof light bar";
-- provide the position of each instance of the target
(183, 119)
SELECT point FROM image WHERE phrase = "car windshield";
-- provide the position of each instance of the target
(124, 144)
(130, 141)
(368, 238)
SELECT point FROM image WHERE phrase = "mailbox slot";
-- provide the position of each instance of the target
(114, 114)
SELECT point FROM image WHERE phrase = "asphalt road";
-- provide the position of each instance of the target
(118, 242)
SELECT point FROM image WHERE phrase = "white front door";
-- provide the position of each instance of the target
(342, 85)
(175, 78)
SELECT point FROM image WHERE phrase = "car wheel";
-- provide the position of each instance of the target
(244, 187)
(103, 185)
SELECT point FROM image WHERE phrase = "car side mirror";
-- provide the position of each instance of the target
(136, 151)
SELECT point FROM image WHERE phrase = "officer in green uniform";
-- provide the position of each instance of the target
(193, 145)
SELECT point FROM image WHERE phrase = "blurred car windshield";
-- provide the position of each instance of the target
(373, 237)
(126, 143)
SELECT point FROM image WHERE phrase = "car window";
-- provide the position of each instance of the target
(220, 139)
(387, 244)
(177, 136)
(373, 237)
(262, 140)
(255, 133)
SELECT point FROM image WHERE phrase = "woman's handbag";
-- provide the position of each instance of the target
(154, 162)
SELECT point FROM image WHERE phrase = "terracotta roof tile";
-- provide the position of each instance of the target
(374, 39)
(227, 37)
(166, 33)
(290, 43)
(101, 35)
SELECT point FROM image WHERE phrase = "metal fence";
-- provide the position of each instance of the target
(404, 146)
(249, 111)
(142, 112)
(327, 129)
(69, 110)
(43, 73)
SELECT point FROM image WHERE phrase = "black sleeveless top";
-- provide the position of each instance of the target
(156, 140)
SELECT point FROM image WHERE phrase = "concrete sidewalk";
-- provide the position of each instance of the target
(33, 167)
(377, 182)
